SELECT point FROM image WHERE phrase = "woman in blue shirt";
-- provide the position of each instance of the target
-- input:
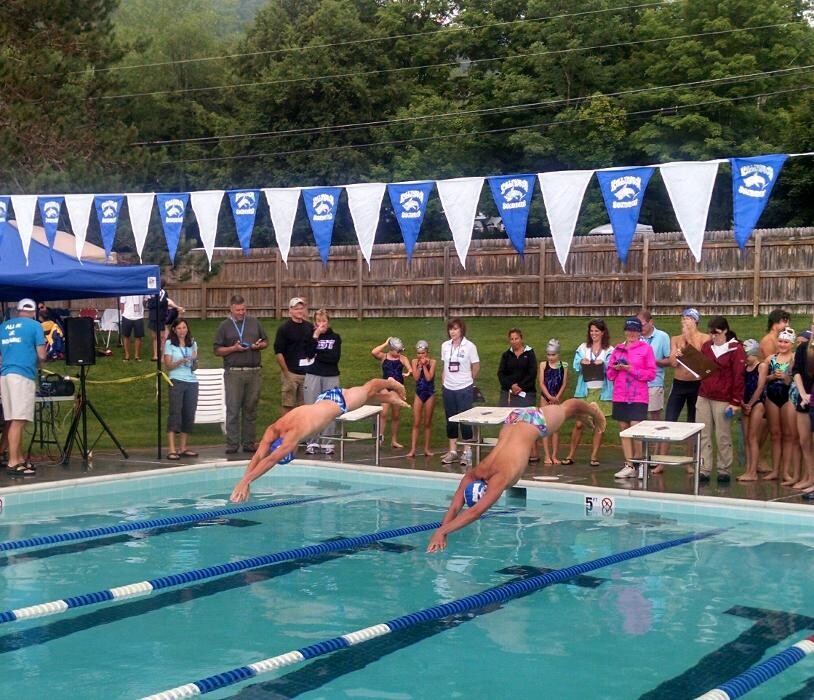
(180, 356)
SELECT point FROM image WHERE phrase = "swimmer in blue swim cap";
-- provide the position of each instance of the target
(505, 464)
(294, 426)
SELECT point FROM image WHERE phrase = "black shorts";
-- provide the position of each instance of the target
(134, 327)
(629, 412)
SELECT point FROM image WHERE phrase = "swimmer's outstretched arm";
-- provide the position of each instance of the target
(455, 518)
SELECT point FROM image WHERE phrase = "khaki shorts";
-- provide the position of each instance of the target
(18, 397)
(655, 398)
(292, 385)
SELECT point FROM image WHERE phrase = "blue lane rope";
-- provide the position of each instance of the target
(456, 607)
(757, 675)
(143, 588)
(150, 524)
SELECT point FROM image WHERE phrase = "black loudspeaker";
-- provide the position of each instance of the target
(80, 341)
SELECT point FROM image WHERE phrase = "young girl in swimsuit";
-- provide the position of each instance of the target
(754, 380)
(779, 410)
(553, 378)
(395, 366)
(423, 371)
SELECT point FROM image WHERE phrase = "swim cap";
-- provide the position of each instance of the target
(553, 347)
(692, 313)
(395, 344)
(787, 334)
(275, 445)
(422, 345)
(474, 492)
(751, 346)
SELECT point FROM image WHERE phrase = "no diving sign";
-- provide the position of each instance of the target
(602, 506)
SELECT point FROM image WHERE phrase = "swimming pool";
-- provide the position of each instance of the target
(668, 624)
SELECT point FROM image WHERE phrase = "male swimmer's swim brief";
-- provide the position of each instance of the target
(336, 396)
(531, 415)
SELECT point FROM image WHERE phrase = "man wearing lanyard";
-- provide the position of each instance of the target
(239, 340)
(291, 349)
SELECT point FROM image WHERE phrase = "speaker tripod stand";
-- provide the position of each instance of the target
(81, 416)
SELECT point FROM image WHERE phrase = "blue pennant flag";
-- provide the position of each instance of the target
(108, 207)
(5, 206)
(752, 183)
(171, 207)
(623, 192)
(512, 195)
(409, 201)
(244, 211)
(321, 204)
(50, 209)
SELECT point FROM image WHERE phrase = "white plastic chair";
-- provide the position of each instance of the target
(211, 397)
(109, 323)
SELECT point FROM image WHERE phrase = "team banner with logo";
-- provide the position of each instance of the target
(690, 188)
(50, 209)
(321, 205)
(623, 192)
(5, 205)
(365, 203)
(752, 183)
(459, 198)
(171, 208)
(139, 207)
(206, 205)
(244, 211)
(283, 203)
(79, 206)
(108, 207)
(409, 201)
(25, 206)
(563, 193)
(512, 195)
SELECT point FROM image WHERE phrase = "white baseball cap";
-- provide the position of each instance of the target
(26, 305)
(296, 301)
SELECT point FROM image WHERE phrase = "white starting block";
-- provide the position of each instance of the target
(360, 414)
(478, 417)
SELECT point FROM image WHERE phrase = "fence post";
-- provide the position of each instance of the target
(541, 291)
(645, 270)
(204, 302)
(446, 280)
(756, 274)
(278, 284)
(359, 270)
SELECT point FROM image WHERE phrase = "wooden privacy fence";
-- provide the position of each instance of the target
(776, 269)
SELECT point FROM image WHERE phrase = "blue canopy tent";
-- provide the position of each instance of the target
(51, 275)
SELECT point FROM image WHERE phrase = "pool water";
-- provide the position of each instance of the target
(672, 624)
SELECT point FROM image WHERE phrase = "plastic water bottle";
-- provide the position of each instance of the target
(468, 456)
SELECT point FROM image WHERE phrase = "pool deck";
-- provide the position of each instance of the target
(673, 480)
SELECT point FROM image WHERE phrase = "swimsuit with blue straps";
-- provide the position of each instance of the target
(336, 396)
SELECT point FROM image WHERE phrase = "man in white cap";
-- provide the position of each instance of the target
(22, 346)
(291, 350)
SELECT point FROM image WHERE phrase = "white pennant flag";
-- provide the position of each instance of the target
(365, 203)
(79, 206)
(24, 207)
(459, 198)
(690, 188)
(283, 203)
(563, 193)
(206, 205)
(139, 207)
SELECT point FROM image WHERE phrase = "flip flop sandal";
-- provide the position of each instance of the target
(173, 456)
(22, 469)
(567, 461)
(189, 453)
(594, 462)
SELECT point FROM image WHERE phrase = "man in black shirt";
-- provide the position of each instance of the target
(239, 340)
(291, 349)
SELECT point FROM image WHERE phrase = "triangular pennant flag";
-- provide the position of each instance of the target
(512, 195)
(365, 203)
(459, 198)
(321, 204)
(283, 202)
(752, 183)
(563, 193)
(50, 209)
(139, 207)
(690, 188)
(78, 206)
(623, 191)
(206, 205)
(409, 201)
(108, 208)
(5, 206)
(25, 206)
(171, 208)
(244, 210)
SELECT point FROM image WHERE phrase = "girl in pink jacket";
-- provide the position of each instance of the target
(631, 366)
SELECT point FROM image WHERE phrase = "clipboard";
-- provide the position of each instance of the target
(696, 363)
(593, 372)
